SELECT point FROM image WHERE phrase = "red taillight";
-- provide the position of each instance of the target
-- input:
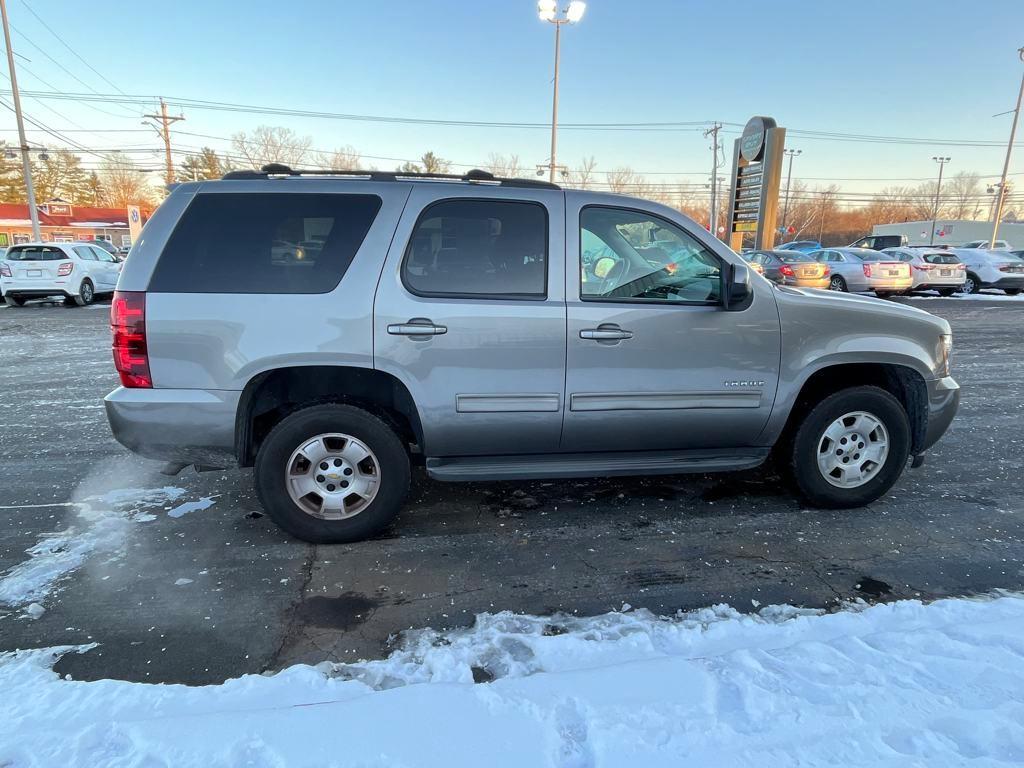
(922, 267)
(867, 270)
(128, 326)
(961, 266)
(786, 270)
(65, 268)
(827, 271)
(5, 271)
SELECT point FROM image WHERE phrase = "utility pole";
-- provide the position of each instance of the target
(1006, 165)
(571, 14)
(790, 153)
(26, 164)
(164, 129)
(938, 188)
(713, 217)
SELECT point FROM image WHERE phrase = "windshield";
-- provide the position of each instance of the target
(866, 254)
(35, 253)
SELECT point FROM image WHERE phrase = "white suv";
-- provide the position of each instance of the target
(991, 269)
(77, 271)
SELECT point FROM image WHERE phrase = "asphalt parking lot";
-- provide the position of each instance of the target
(183, 580)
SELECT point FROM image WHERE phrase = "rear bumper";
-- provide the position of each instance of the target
(889, 284)
(191, 426)
(36, 289)
(807, 282)
(943, 402)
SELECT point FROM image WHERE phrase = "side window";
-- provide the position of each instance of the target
(102, 255)
(643, 258)
(277, 242)
(84, 252)
(479, 249)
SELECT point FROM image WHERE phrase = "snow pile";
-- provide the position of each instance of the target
(890, 685)
(99, 527)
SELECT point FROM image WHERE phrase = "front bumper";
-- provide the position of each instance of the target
(190, 426)
(943, 402)
(1013, 283)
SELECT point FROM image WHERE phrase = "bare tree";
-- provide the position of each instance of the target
(582, 175)
(271, 144)
(122, 184)
(434, 164)
(508, 167)
(341, 159)
(964, 197)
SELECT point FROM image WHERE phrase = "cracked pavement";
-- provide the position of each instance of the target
(219, 592)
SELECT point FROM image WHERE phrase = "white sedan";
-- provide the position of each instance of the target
(77, 271)
(933, 270)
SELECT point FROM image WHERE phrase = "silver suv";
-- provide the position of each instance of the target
(332, 329)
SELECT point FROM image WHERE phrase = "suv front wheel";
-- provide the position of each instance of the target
(851, 448)
(332, 473)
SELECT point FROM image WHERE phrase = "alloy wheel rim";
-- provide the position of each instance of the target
(853, 450)
(836, 284)
(86, 293)
(332, 476)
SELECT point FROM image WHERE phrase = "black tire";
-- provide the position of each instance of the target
(15, 301)
(802, 465)
(837, 283)
(883, 294)
(1012, 291)
(291, 432)
(86, 293)
(972, 284)
(946, 291)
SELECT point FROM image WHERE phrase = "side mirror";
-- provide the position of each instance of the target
(737, 292)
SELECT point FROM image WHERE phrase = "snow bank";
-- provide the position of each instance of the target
(890, 685)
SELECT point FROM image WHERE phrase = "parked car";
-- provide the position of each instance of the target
(123, 251)
(805, 246)
(880, 242)
(756, 268)
(991, 269)
(436, 325)
(791, 268)
(937, 270)
(859, 270)
(1001, 245)
(77, 271)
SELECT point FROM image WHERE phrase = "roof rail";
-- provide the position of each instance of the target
(476, 176)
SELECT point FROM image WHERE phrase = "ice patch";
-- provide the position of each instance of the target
(192, 506)
(99, 527)
(182, 582)
(889, 685)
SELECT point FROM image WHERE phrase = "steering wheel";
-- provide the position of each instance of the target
(611, 279)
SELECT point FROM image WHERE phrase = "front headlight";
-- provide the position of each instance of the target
(945, 353)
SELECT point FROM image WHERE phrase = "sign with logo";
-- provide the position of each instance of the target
(134, 223)
(752, 140)
(756, 174)
(57, 209)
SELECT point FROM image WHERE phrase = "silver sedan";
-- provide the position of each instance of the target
(860, 270)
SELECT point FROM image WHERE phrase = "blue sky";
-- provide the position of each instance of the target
(938, 70)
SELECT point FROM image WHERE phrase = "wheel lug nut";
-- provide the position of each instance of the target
(319, 478)
(330, 487)
(323, 465)
(337, 462)
(344, 483)
(348, 471)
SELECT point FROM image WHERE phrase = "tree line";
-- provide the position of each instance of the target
(821, 212)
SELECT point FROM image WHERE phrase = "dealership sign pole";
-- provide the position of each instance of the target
(756, 176)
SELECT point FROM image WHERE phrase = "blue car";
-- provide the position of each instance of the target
(804, 246)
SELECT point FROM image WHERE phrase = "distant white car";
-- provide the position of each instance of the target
(1001, 245)
(77, 271)
(933, 270)
(991, 269)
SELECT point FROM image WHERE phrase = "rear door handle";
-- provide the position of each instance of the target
(605, 334)
(417, 326)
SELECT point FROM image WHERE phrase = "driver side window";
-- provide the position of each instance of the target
(629, 256)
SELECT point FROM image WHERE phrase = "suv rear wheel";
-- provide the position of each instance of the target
(850, 448)
(86, 293)
(332, 473)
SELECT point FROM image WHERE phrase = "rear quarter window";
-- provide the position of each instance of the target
(264, 243)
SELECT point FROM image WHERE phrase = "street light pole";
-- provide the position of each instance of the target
(30, 193)
(1006, 164)
(548, 11)
(938, 188)
(790, 153)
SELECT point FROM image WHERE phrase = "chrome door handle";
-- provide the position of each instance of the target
(605, 334)
(418, 326)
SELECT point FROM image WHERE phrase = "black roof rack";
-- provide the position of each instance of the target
(473, 176)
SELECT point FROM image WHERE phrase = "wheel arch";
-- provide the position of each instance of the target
(272, 395)
(902, 379)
